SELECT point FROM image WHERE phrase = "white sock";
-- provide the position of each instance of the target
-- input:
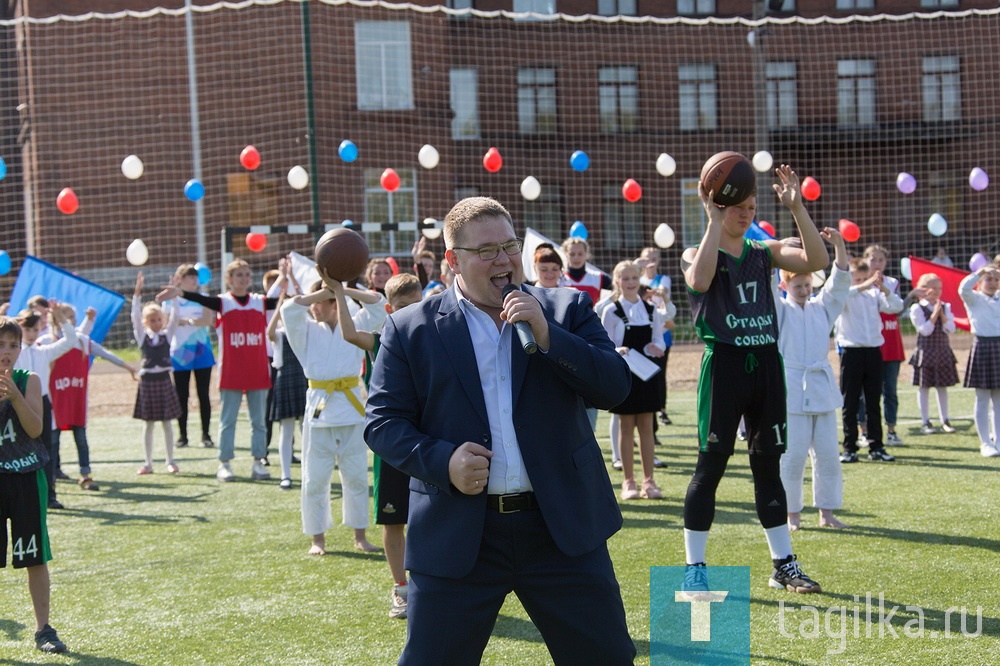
(147, 441)
(613, 433)
(983, 416)
(287, 432)
(923, 402)
(779, 540)
(942, 399)
(695, 545)
(168, 439)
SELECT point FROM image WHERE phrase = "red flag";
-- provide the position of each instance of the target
(950, 278)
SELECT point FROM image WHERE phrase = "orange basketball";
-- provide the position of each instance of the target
(731, 176)
(343, 253)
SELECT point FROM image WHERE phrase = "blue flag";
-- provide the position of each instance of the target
(754, 232)
(38, 277)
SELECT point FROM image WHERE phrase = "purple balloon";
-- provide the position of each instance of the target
(977, 261)
(906, 183)
(978, 179)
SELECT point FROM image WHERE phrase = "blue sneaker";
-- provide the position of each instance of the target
(695, 585)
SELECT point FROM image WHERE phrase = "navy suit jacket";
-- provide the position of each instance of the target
(426, 399)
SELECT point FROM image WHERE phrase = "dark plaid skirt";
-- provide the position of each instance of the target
(290, 386)
(934, 367)
(983, 369)
(156, 399)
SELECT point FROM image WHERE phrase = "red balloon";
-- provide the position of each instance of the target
(390, 180)
(256, 242)
(768, 227)
(850, 231)
(492, 161)
(67, 202)
(250, 158)
(811, 189)
(631, 190)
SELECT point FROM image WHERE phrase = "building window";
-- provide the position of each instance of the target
(464, 104)
(390, 225)
(545, 214)
(698, 97)
(855, 93)
(616, 7)
(459, 4)
(782, 95)
(941, 82)
(850, 5)
(534, 7)
(382, 65)
(622, 221)
(692, 213)
(536, 100)
(695, 7)
(938, 4)
(618, 91)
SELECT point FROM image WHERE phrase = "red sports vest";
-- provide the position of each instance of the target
(242, 329)
(68, 388)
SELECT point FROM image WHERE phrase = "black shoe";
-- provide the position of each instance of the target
(741, 435)
(848, 457)
(264, 461)
(879, 455)
(664, 419)
(55, 504)
(658, 464)
(295, 460)
(787, 575)
(182, 442)
(206, 441)
(61, 475)
(47, 640)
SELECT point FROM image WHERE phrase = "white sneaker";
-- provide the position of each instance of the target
(863, 439)
(893, 439)
(927, 428)
(398, 608)
(989, 450)
(947, 427)
(225, 472)
(259, 472)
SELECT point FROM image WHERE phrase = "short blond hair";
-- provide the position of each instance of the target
(926, 279)
(401, 285)
(469, 210)
(151, 308)
(235, 266)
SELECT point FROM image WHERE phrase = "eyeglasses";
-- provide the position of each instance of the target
(491, 252)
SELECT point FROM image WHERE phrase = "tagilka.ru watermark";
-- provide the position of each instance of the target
(871, 617)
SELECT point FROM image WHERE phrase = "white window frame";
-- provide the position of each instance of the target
(383, 65)
(856, 92)
(698, 96)
(618, 98)
(464, 96)
(782, 93)
(941, 88)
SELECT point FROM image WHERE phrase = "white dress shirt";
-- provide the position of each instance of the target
(983, 310)
(859, 324)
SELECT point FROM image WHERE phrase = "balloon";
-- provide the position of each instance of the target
(428, 156)
(906, 183)
(389, 180)
(579, 160)
(194, 190)
(347, 223)
(937, 225)
(904, 268)
(256, 242)
(663, 235)
(204, 273)
(67, 202)
(4, 262)
(492, 161)
(137, 253)
(631, 190)
(132, 167)
(347, 151)
(768, 227)
(977, 261)
(431, 229)
(978, 179)
(666, 165)
(531, 189)
(849, 230)
(3, 169)
(811, 189)
(762, 161)
(393, 264)
(250, 158)
(298, 177)
(578, 230)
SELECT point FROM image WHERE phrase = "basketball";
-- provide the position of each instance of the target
(342, 253)
(731, 176)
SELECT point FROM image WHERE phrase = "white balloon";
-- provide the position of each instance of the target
(904, 268)
(298, 177)
(665, 165)
(433, 233)
(428, 156)
(132, 167)
(137, 253)
(531, 189)
(664, 235)
(762, 161)
(937, 225)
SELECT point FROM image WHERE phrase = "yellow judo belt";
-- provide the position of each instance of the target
(343, 384)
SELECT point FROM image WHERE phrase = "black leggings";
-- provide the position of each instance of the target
(202, 380)
(769, 493)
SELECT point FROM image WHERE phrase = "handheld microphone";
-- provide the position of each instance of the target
(523, 328)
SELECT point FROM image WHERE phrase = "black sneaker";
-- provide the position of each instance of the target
(55, 504)
(879, 455)
(206, 441)
(849, 457)
(695, 585)
(47, 640)
(787, 575)
(61, 475)
(182, 443)
(659, 464)
(295, 460)
(664, 419)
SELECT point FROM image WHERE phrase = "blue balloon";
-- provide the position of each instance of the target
(347, 223)
(3, 169)
(194, 190)
(204, 273)
(347, 151)
(578, 230)
(4, 262)
(579, 161)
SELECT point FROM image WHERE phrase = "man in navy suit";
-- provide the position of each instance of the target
(509, 491)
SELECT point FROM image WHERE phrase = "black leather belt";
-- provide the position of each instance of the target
(512, 503)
